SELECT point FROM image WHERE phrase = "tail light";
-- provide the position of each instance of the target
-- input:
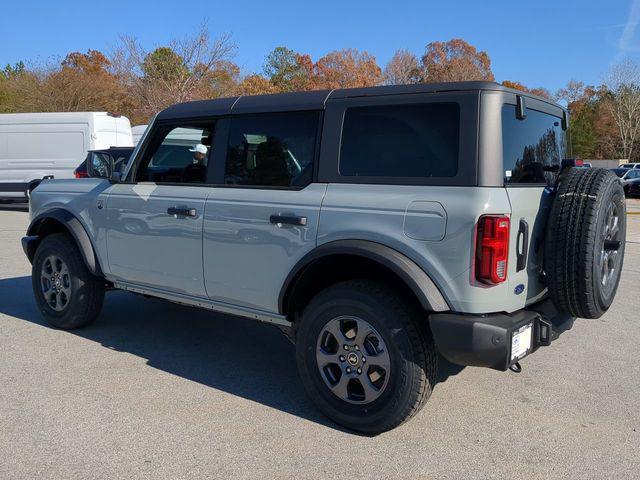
(80, 174)
(492, 249)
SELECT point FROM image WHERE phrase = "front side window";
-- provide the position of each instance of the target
(413, 141)
(532, 148)
(274, 150)
(180, 154)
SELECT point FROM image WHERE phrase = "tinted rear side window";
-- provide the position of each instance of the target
(533, 148)
(273, 149)
(417, 140)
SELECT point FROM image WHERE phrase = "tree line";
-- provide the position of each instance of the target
(137, 82)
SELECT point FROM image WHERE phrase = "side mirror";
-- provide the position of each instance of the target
(100, 165)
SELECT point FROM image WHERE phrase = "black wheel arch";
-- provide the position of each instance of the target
(374, 254)
(61, 220)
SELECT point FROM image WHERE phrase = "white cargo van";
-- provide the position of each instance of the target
(34, 146)
(137, 132)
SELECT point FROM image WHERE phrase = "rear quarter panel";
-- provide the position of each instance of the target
(378, 213)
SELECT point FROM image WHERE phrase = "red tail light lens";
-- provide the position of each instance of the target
(80, 174)
(492, 249)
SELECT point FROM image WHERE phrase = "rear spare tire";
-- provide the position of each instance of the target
(584, 242)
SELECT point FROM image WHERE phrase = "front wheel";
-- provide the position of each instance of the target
(67, 294)
(365, 356)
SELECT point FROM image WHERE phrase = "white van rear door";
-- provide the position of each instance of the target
(111, 131)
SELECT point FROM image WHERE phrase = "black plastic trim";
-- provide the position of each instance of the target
(288, 220)
(417, 279)
(485, 340)
(75, 228)
(522, 239)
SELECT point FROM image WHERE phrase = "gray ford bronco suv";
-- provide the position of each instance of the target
(382, 228)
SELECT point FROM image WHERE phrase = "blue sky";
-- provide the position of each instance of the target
(540, 43)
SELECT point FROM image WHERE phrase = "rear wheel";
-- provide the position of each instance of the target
(365, 357)
(67, 294)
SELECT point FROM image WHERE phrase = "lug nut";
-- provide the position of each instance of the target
(346, 347)
(364, 359)
(348, 370)
(359, 371)
(357, 347)
(342, 358)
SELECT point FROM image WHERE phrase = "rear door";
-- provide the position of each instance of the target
(154, 233)
(262, 217)
(532, 150)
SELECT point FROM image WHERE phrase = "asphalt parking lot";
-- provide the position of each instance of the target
(156, 390)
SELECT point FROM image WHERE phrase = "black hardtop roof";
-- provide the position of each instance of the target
(316, 99)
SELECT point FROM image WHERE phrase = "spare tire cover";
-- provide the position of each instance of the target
(584, 242)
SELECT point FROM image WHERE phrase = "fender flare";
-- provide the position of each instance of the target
(406, 269)
(75, 228)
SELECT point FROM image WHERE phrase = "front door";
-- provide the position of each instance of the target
(155, 222)
(264, 216)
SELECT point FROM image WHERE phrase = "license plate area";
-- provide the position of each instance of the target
(521, 342)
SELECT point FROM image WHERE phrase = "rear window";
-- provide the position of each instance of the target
(417, 140)
(533, 148)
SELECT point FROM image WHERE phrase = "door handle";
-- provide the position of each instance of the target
(521, 252)
(288, 220)
(182, 212)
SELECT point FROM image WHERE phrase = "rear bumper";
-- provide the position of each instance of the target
(486, 340)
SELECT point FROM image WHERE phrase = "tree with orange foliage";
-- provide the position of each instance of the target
(455, 61)
(347, 69)
(515, 85)
(402, 69)
(82, 83)
(288, 70)
(539, 91)
(171, 74)
(256, 85)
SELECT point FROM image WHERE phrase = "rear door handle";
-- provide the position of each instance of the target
(522, 249)
(288, 220)
(182, 212)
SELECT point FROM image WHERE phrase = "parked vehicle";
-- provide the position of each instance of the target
(630, 165)
(377, 226)
(626, 175)
(632, 188)
(137, 133)
(34, 146)
(119, 156)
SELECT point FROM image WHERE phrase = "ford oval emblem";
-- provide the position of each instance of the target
(519, 289)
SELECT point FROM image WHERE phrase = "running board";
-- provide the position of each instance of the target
(221, 307)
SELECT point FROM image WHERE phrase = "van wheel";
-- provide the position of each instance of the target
(67, 294)
(366, 358)
(585, 240)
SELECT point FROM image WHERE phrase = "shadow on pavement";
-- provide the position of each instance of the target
(243, 357)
